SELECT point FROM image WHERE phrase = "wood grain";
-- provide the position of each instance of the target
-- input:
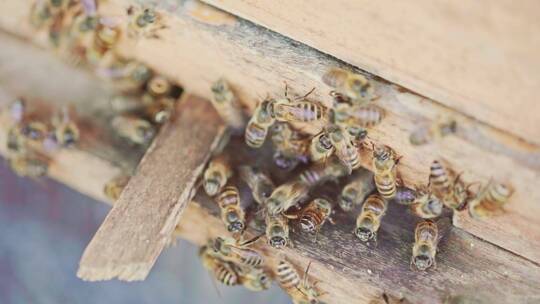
(351, 273)
(140, 224)
(476, 57)
(256, 61)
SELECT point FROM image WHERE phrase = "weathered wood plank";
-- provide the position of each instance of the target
(350, 273)
(140, 224)
(195, 50)
(474, 56)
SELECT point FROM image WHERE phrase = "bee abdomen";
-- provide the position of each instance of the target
(226, 276)
(438, 176)
(375, 204)
(386, 186)
(255, 135)
(287, 276)
(335, 78)
(229, 196)
(367, 116)
(310, 220)
(253, 260)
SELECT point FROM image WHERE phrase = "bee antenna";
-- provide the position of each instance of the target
(305, 96)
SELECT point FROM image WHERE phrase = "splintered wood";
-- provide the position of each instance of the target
(140, 224)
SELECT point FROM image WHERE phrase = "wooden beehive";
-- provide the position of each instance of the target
(476, 63)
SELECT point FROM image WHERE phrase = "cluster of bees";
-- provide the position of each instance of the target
(88, 39)
(332, 153)
(31, 139)
(234, 263)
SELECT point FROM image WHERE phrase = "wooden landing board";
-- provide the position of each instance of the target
(478, 57)
(202, 44)
(140, 224)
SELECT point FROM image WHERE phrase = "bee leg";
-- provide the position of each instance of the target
(411, 264)
(331, 221)
(286, 90)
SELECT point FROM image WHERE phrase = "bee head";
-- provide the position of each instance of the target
(211, 185)
(345, 202)
(235, 226)
(277, 241)
(423, 261)
(364, 234)
(325, 142)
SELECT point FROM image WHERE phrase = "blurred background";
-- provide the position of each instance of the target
(45, 228)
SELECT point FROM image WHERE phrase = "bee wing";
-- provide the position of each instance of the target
(444, 225)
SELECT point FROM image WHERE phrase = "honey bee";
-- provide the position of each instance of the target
(35, 132)
(297, 109)
(313, 216)
(349, 86)
(321, 147)
(106, 35)
(232, 213)
(290, 146)
(356, 191)
(277, 230)
(405, 196)
(439, 179)
(66, 132)
(369, 219)
(433, 132)
(160, 110)
(144, 22)
(238, 253)
(359, 117)
(286, 110)
(286, 196)
(366, 116)
(228, 107)
(158, 86)
(40, 13)
(221, 270)
(255, 279)
(29, 165)
(115, 186)
(490, 200)
(426, 238)
(258, 125)
(426, 205)
(384, 166)
(134, 129)
(299, 289)
(127, 75)
(345, 148)
(322, 172)
(260, 184)
(216, 175)
(448, 186)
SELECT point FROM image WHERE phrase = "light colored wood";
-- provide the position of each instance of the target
(478, 57)
(136, 230)
(196, 52)
(351, 273)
